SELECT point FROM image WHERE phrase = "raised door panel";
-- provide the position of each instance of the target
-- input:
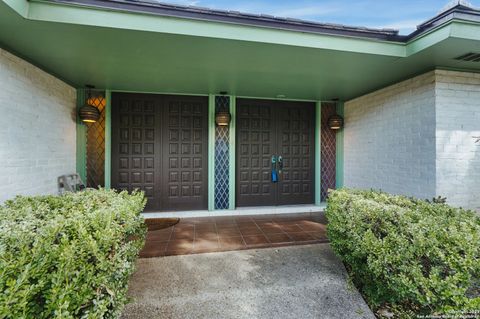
(295, 128)
(159, 145)
(255, 141)
(266, 128)
(185, 162)
(134, 136)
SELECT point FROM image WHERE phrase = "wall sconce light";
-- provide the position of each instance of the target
(89, 113)
(335, 122)
(222, 116)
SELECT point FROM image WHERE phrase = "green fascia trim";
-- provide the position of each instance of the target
(74, 14)
(108, 139)
(453, 29)
(20, 6)
(81, 156)
(92, 16)
(318, 152)
(231, 149)
(211, 152)
(339, 174)
(465, 30)
(428, 39)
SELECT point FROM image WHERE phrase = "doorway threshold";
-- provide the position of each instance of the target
(240, 211)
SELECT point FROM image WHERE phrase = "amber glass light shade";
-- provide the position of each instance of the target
(335, 122)
(89, 113)
(222, 118)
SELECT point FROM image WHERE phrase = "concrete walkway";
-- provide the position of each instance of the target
(288, 282)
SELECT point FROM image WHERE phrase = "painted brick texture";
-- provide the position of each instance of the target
(418, 138)
(389, 139)
(37, 129)
(458, 137)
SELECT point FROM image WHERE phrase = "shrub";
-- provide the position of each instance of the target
(68, 256)
(407, 254)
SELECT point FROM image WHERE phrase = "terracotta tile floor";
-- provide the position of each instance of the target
(211, 234)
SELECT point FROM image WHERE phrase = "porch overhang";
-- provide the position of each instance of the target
(139, 51)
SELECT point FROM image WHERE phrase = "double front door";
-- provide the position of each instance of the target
(275, 153)
(159, 145)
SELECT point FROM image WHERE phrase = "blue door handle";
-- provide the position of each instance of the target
(274, 169)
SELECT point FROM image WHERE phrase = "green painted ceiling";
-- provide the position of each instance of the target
(121, 59)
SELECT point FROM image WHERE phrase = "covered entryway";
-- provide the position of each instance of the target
(284, 131)
(159, 145)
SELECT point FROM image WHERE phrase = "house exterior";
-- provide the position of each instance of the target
(410, 104)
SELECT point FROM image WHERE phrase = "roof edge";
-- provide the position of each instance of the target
(457, 12)
(235, 17)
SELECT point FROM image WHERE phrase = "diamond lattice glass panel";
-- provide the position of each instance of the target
(96, 144)
(328, 151)
(222, 157)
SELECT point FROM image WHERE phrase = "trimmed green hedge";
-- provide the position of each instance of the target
(407, 255)
(69, 256)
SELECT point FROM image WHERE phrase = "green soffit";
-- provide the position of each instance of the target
(134, 51)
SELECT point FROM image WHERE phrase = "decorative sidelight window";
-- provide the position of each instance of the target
(96, 143)
(222, 160)
(328, 151)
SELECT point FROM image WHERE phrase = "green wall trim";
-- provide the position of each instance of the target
(318, 152)
(81, 158)
(273, 98)
(458, 69)
(232, 148)
(211, 152)
(340, 149)
(157, 92)
(108, 139)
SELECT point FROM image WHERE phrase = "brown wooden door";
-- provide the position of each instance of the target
(159, 145)
(296, 145)
(274, 128)
(256, 141)
(185, 149)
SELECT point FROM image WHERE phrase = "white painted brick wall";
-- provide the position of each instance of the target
(390, 139)
(417, 138)
(458, 123)
(37, 129)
